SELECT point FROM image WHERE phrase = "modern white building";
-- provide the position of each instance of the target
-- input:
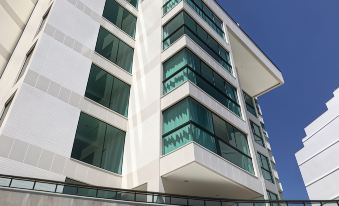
(13, 19)
(318, 160)
(150, 95)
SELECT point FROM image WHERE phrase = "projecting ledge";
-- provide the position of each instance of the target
(256, 72)
(194, 170)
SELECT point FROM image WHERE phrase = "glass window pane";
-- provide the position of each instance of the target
(272, 196)
(107, 90)
(220, 129)
(172, 31)
(22, 184)
(241, 142)
(120, 97)
(231, 135)
(257, 134)
(175, 116)
(89, 140)
(177, 139)
(193, 61)
(177, 80)
(200, 115)
(204, 138)
(4, 182)
(125, 56)
(173, 25)
(119, 16)
(178, 61)
(133, 2)
(45, 187)
(115, 50)
(107, 194)
(219, 82)
(205, 131)
(265, 167)
(107, 45)
(113, 150)
(207, 72)
(236, 157)
(99, 86)
(98, 144)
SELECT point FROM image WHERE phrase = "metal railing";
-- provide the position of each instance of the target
(48, 186)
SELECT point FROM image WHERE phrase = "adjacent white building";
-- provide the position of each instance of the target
(318, 160)
(150, 95)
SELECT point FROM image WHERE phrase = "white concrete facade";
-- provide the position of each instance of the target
(38, 130)
(318, 160)
(13, 19)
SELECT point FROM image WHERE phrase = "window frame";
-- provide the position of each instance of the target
(261, 140)
(103, 144)
(114, 78)
(191, 122)
(268, 170)
(250, 105)
(185, 26)
(124, 11)
(189, 54)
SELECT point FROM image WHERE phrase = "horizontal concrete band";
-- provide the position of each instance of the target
(26, 153)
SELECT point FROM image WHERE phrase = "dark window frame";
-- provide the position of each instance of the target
(212, 83)
(268, 170)
(260, 140)
(111, 95)
(184, 26)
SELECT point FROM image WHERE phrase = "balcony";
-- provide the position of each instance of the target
(202, 151)
(195, 170)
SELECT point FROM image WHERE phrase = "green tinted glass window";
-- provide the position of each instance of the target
(249, 104)
(120, 16)
(185, 65)
(265, 167)
(184, 24)
(202, 10)
(133, 3)
(272, 196)
(114, 49)
(257, 134)
(176, 116)
(98, 144)
(120, 97)
(108, 90)
(189, 121)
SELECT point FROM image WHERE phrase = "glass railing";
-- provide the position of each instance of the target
(187, 73)
(221, 58)
(169, 5)
(191, 132)
(140, 197)
(207, 15)
(251, 110)
(133, 3)
(202, 10)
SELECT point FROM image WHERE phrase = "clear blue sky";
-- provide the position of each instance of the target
(302, 39)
